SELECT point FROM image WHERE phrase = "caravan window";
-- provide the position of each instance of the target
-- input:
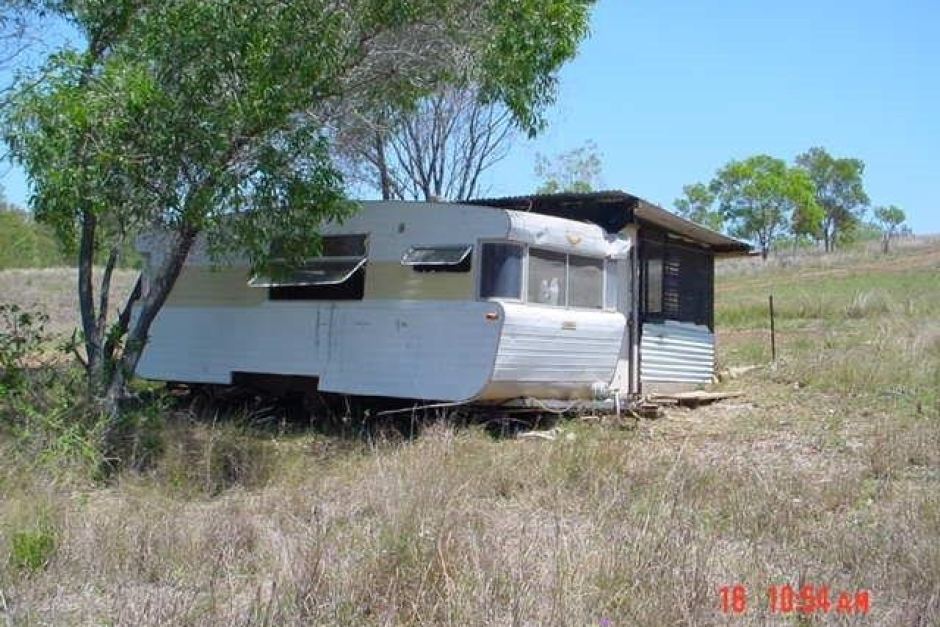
(338, 274)
(343, 246)
(548, 279)
(565, 280)
(438, 258)
(585, 282)
(501, 271)
(612, 285)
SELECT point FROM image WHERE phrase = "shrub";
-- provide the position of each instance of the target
(22, 334)
(31, 549)
(42, 403)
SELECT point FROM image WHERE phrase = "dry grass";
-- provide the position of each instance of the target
(54, 289)
(825, 473)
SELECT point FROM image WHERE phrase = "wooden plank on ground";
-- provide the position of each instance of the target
(693, 399)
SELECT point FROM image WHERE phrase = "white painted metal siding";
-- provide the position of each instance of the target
(550, 352)
(410, 349)
(677, 352)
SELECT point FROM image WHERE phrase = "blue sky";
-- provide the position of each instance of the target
(672, 90)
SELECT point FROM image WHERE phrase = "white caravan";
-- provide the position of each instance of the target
(495, 301)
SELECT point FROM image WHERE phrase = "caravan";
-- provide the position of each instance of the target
(562, 297)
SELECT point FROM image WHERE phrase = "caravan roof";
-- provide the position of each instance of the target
(613, 210)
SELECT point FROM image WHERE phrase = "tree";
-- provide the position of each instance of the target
(577, 170)
(436, 149)
(698, 205)
(206, 121)
(840, 192)
(761, 197)
(890, 219)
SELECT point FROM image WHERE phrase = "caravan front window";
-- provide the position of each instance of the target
(501, 271)
(563, 280)
(612, 289)
(585, 282)
(547, 277)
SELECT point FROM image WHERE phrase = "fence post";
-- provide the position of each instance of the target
(773, 333)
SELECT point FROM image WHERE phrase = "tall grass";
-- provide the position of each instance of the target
(458, 528)
(823, 473)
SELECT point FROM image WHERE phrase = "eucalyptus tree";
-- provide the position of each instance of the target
(207, 122)
(577, 170)
(697, 204)
(840, 192)
(761, 198)
(889, 219)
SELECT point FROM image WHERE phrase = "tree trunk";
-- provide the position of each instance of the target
(114, 391)
(385, 181)
(86, 302)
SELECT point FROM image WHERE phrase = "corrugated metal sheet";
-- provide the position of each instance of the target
(613, 210)
(677, 352)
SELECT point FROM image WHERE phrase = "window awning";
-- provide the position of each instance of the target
(436, 255)
(322, 271)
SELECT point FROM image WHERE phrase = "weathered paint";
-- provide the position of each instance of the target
(568, 235)
(434, 350)
(390, 280)
(676, 352)
(552, 352)
(203, 286)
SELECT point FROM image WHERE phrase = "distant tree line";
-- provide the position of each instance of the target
(24, 243)
(819, 198)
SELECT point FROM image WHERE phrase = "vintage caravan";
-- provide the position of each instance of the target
(561, 297)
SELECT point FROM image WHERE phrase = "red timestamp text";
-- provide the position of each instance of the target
(806, 599)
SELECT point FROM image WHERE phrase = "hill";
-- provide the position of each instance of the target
(824, 474)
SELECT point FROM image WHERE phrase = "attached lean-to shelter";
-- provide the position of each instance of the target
(562, 297)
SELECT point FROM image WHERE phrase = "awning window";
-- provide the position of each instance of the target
(320, 271)
(444, 256)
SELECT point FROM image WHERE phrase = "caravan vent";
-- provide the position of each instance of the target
(438, 258)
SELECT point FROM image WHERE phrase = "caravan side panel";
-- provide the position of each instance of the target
(427, 350)
(676, 353)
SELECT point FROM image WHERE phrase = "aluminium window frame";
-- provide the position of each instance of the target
(268, 282)
(467, 254)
